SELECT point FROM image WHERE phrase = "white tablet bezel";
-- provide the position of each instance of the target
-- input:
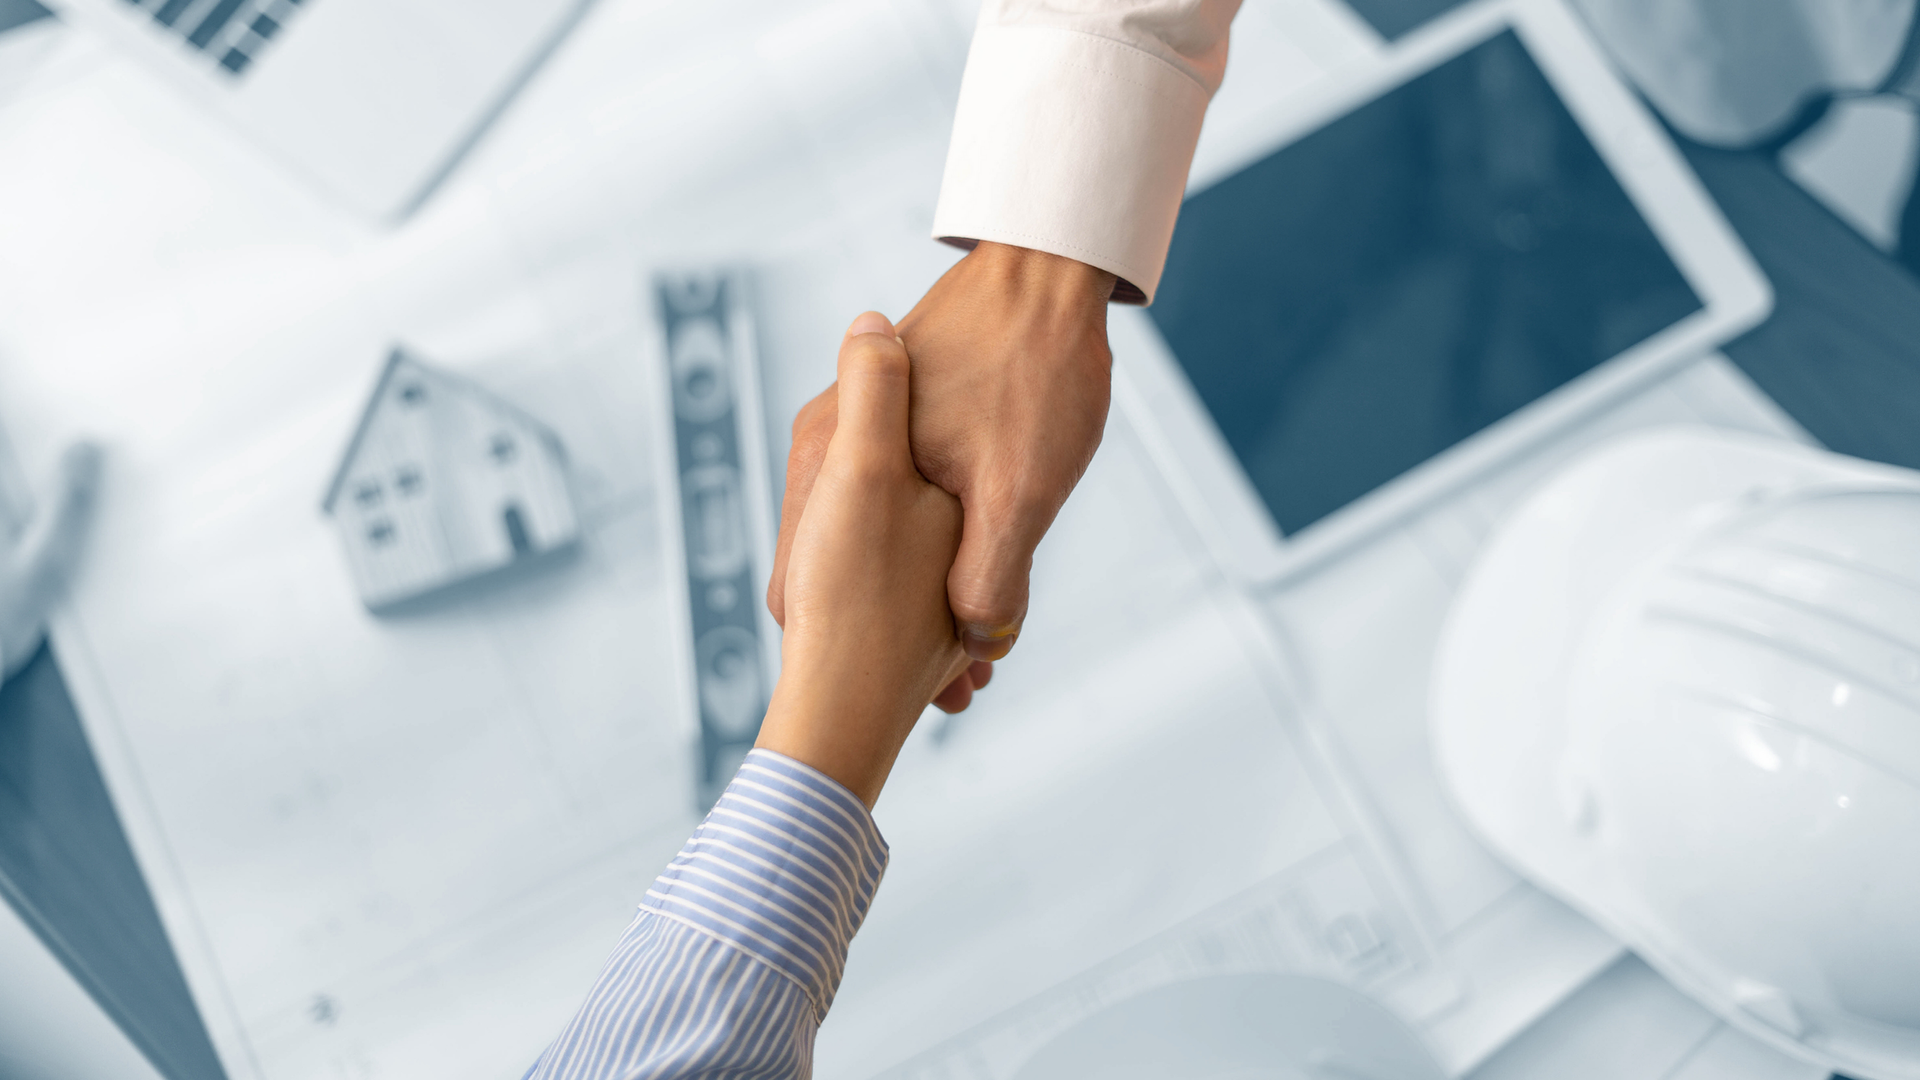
(1155, 395)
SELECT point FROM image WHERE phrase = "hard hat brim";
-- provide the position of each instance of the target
(1499, 691)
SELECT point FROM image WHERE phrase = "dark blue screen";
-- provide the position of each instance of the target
(1394, 282)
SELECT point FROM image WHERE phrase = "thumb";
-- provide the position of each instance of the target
(987, 587)
(873, 390)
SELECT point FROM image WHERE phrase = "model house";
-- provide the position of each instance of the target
(443, 482)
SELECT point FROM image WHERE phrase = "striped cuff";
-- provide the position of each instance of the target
(783, 869)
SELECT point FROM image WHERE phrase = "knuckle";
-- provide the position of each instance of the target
(990, 601)
(1020, 504)
(819, 413)
(808, 448)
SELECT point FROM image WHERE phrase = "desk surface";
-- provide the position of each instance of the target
(1841, 354)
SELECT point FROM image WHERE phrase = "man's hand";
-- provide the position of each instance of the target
(1011, 378)
(869, 640)
(36, 557)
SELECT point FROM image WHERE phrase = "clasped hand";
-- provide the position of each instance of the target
(1008, 399)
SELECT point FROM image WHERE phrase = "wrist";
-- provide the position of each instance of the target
(852, 740)
(1045, 278)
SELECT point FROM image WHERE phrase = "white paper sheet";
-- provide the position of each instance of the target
(360, 829)
(1133, 801)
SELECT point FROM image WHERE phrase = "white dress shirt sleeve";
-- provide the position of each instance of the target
(1076, 126)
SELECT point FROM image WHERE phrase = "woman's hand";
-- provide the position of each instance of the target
(870, 639)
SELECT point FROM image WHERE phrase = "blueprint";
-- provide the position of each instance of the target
(1134, 801)
(362, 831)
(399, 846)
(399, 849)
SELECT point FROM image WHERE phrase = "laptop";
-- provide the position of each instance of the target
(1425, 263)
(371, 101)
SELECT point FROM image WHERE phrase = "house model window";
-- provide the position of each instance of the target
(442, 483)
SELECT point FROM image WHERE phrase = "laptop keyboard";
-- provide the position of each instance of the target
(231, 33)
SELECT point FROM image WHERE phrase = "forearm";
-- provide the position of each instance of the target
(1076, 127)
(738, 948)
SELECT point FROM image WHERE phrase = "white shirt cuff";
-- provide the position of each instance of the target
(1074, 144)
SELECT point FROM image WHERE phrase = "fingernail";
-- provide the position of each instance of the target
(871, 322)
(990, 643)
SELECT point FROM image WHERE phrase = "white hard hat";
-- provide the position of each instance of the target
(1680, 689)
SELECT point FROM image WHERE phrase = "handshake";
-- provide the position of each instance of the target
(918, 487)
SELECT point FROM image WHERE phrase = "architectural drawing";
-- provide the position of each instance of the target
(443, 483)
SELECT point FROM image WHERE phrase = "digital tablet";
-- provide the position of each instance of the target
(1428, 261)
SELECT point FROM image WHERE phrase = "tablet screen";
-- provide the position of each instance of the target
(1377, 291)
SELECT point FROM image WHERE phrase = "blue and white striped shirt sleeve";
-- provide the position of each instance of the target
(735, 954)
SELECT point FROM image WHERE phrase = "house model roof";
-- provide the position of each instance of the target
(400, 360)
